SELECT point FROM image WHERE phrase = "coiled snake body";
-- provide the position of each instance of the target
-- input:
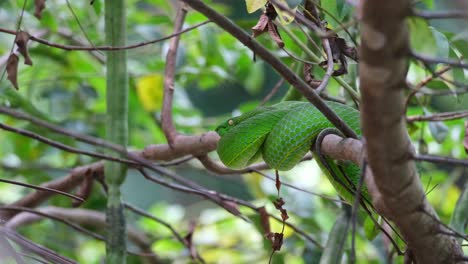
(282, 134)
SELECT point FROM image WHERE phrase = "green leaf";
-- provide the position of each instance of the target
(254, 5)
(460, 215)
(253, 82)
(442, 43)
(370, 229)
(97, 6)
(48, 20)
(421, 36)
(429, 3)
(285, 16)
(439, 130)
(334, 248)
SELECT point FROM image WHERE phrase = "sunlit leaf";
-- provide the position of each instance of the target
(285, 16)
(150, 91)
(254, 5)
(429, 3)
(421, 36)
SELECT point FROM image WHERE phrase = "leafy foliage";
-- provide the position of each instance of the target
(216, 78)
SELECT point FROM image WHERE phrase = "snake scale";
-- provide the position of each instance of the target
(282, 134)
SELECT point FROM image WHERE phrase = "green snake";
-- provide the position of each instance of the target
(282, 134)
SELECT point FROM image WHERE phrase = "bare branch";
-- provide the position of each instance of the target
(166, 114)
(279, 66)
(440, 159)
(30, 246)
(76, 218)
(383, 69)
(106, 48)
(61, 145)
(431, 60)
(438, 117)
(195, 256)
(32, 186)
(448, 14)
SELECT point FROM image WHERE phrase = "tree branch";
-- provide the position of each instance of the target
(103, 48)
(169, 74)
(448, 14)
(268, 57)
(76, 218)
(383, 69)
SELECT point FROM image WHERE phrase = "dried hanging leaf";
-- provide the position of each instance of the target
(309, 77)
(261, 26)
(276, 240)
(22, 39)
(265, 24)
(264, 220)
(12, 69)
(340, 51)
(465, 140)
(40, 6)
(274, 33)
(278, 203)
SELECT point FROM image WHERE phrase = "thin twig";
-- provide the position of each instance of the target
(53, 217)
(76, 217)
(448, 14)
(439, 159)
(32, 186)
(106, 48)
(81, 137)
(328, 73)
(278, 65)
(169, 74)
(273, 91)
(79, 24)
(357, 201)
(432, 60)
(423, 83)
(438, 117)
(183, 241)
(37, 249)
(300, 189)
(63, 146)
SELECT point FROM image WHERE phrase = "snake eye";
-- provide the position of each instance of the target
(231, 122)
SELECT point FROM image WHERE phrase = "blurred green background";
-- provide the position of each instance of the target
(216, 78)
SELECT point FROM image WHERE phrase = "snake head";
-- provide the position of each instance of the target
(225, 127)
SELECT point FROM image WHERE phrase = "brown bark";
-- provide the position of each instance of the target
(383, 69)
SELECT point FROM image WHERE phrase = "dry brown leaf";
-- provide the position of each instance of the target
(261, 26)
(12, 69)
(265, 24)
(40, 6)
(264, 220)
(22, 39)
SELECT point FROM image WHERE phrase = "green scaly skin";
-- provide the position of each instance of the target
(282, 134)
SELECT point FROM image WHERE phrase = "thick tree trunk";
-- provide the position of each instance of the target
(383, 69)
